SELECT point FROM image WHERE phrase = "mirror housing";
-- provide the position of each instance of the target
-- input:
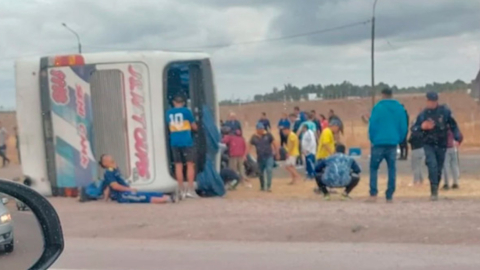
(46, 216)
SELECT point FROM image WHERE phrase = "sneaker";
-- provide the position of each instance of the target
(192, 195)
(434, 198)
(345, 197)
(372, 199)
(445, 187)
(326, 197)
(455, 186)
(389, 200)
(182, 195)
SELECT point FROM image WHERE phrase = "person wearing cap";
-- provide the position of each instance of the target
(180, 123)
(387, 129)
(326, 142)
(435, 121)
(293, 152)
(265, 147)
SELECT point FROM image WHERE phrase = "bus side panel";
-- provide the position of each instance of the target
(29, 120)
(68, 126)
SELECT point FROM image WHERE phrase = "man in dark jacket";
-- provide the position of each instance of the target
(435, 121)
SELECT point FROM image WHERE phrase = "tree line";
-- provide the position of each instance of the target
(346, 89)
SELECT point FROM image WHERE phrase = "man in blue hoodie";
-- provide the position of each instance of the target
(387, 129)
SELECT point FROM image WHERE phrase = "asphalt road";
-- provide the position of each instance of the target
(28, 241)
(103, 254)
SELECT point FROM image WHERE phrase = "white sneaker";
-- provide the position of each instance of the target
(183, 195)
(192, 195)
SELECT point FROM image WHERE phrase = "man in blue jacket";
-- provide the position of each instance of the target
(434, 122)
(387, 129)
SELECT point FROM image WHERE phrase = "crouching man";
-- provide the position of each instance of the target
(117, 189)
(338, 170)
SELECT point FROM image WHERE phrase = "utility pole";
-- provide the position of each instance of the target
(373, 54)
(76, 34)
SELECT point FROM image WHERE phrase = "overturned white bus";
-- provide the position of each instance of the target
(71, 109)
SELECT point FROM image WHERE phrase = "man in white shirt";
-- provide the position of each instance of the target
(309, 148)
(3, 144)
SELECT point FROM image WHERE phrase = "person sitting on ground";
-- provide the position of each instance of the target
(338, 170)
(117, 189)
(230, 178)
(293, 152)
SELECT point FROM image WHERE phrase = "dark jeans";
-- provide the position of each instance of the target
(348, 189)
(403, 150)
(266, 168)
(378, 154)
(434, 157)
(3, 148)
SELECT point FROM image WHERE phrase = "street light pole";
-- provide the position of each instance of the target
(78, 37)
(373, 54)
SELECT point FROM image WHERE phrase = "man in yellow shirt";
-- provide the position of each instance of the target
(326, 142)
(293, 151)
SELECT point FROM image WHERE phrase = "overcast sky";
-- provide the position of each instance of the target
(418, 41)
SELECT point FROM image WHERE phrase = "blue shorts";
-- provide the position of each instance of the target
(138, 197)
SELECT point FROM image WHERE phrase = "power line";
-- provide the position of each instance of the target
(266, 40)
(316, 32)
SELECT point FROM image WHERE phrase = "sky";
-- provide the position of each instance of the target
(417, 41)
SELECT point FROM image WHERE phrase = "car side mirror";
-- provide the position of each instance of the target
(29, 225)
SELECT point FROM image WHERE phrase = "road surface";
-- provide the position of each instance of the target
(103, 254)
(28, 241)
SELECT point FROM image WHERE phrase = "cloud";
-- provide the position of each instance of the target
(417, 41)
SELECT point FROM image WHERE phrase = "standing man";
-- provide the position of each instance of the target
(418, 156)
(3, 145)
(302, 116)
(233, 123)
(387, 128)
(284, 122)
(266, 123)
(451, 167)
(403, 145)
(309, 147)
(181, 123)
(435, 121)
(293, 152)
(326, 142)
(264, 144)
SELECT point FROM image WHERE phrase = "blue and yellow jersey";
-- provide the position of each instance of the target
(180, 122)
